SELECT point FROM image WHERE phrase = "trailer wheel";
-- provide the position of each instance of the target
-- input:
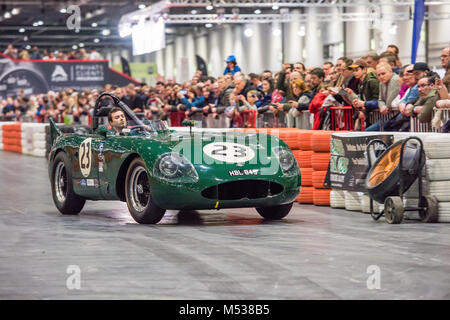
(431, 213)
(393, 210)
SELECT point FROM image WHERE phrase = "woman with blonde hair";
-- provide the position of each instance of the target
(297, 104)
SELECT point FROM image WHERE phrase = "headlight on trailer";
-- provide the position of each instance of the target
(287, 161)
(174, 167)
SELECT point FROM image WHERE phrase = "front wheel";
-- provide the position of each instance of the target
(64, 198)
(138, 196)
(275, 212)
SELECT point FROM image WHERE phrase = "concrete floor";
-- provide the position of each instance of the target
(314, 253)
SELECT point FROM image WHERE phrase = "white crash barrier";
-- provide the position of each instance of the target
(353, 200)
(337, 198)
(33, 139)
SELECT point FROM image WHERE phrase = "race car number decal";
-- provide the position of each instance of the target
(229, 152)
(85, 157)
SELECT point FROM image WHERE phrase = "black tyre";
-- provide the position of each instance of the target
(431, 213)
(64, 198)
(383, 178)
(138, 196)
(275, 212)
(393, 210)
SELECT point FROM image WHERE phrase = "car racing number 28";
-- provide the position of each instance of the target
(85, 157)
(229, 152)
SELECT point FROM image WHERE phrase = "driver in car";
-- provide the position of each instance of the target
(117, 121)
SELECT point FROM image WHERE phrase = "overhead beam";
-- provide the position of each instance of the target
(293, 3)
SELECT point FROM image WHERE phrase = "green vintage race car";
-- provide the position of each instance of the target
(154, 169)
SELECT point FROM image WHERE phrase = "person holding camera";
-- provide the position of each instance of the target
(368, 92)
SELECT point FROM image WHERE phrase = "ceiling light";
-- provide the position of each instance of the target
(393, 29)
(77, 30)
(96, 40)
(15, 11)
(124, 30)
(81, 45)
(21, 30)
(209, 7)
(302, 31)
(208, 25)
(7, 15)
(194, 12)
(94, 24)
(63, 10)
(106, 32)
(248, 32)
(28, 47)
(275, 7)
(74, 47)
(142, 6)
(276, 32)
(257, 11)
(35, 24)
(40, 23)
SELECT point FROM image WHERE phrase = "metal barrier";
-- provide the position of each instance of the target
(376, 116)
(249, 118)
(342, 118)
(417, 126)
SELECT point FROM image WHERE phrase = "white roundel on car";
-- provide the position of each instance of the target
(229, 152)
(85, 157)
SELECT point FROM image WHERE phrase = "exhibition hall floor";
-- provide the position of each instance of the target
(314, 253)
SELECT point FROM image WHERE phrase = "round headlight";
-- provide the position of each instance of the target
(168, 166)
(174, 167)
(286, 159)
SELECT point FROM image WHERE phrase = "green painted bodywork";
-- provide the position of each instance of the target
(118, 151)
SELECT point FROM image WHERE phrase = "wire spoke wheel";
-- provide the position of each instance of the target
(138, 195)
(60, 182)
(64, 197)
(139, 189)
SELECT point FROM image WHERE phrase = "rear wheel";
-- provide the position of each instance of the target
(138, 196)
(430, 213)
(393, 210)
(64, 198)
(275, 212)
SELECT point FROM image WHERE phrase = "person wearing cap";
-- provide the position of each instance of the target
(420, 70)
(368, 90)
(232, 66)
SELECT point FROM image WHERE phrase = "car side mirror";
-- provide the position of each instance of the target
(103, 131)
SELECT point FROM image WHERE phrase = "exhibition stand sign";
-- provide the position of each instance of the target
(348, 165)
(41, 76)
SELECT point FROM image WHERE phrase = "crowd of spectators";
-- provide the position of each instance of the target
(36, 54)
(296, 96)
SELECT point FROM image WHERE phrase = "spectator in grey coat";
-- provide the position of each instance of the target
(389, 88)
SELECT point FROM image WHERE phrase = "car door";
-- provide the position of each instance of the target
(86, 179)
(112, 151)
